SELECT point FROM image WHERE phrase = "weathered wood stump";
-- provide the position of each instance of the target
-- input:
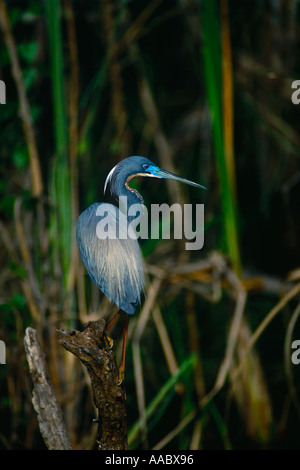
(49, 414)
(94, 349)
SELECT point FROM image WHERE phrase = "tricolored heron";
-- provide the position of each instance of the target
(114, 262)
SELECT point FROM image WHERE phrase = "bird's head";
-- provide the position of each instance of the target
(120, 176)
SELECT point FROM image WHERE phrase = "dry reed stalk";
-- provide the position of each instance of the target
(152, 293)
(236, 323)
(73, 144)
(35, 170)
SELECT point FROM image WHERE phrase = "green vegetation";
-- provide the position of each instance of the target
(203, 88)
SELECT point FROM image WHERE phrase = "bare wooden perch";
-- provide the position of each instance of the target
(49, 414)
(93, 348)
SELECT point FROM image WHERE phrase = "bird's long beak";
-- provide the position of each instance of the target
(159, 173)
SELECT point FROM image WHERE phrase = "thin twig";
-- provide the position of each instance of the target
(165, 340)
(161, 444)
(263, 325)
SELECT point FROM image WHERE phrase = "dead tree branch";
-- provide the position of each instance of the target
(93, 348)
(49, 414)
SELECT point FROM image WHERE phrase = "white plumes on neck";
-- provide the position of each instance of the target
(109, 176)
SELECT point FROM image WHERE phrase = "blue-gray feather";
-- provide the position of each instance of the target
(115, 265)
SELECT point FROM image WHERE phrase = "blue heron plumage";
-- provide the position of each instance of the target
(114, 263)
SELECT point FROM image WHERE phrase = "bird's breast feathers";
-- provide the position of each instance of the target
(114, 262)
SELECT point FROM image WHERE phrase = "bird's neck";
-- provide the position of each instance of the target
(131, 203)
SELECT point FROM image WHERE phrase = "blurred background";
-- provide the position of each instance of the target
(203, 88)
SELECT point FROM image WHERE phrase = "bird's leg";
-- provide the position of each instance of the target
(111, 322)
(122, 365)
(125, 330)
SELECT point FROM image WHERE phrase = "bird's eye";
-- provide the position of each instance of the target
(145, 167)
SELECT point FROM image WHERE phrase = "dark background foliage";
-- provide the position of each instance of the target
(107, 79)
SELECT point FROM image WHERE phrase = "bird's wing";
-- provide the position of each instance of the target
(113, 261)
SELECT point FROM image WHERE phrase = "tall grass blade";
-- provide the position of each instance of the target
(60, 222)
(189, 363)
(216, 82)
